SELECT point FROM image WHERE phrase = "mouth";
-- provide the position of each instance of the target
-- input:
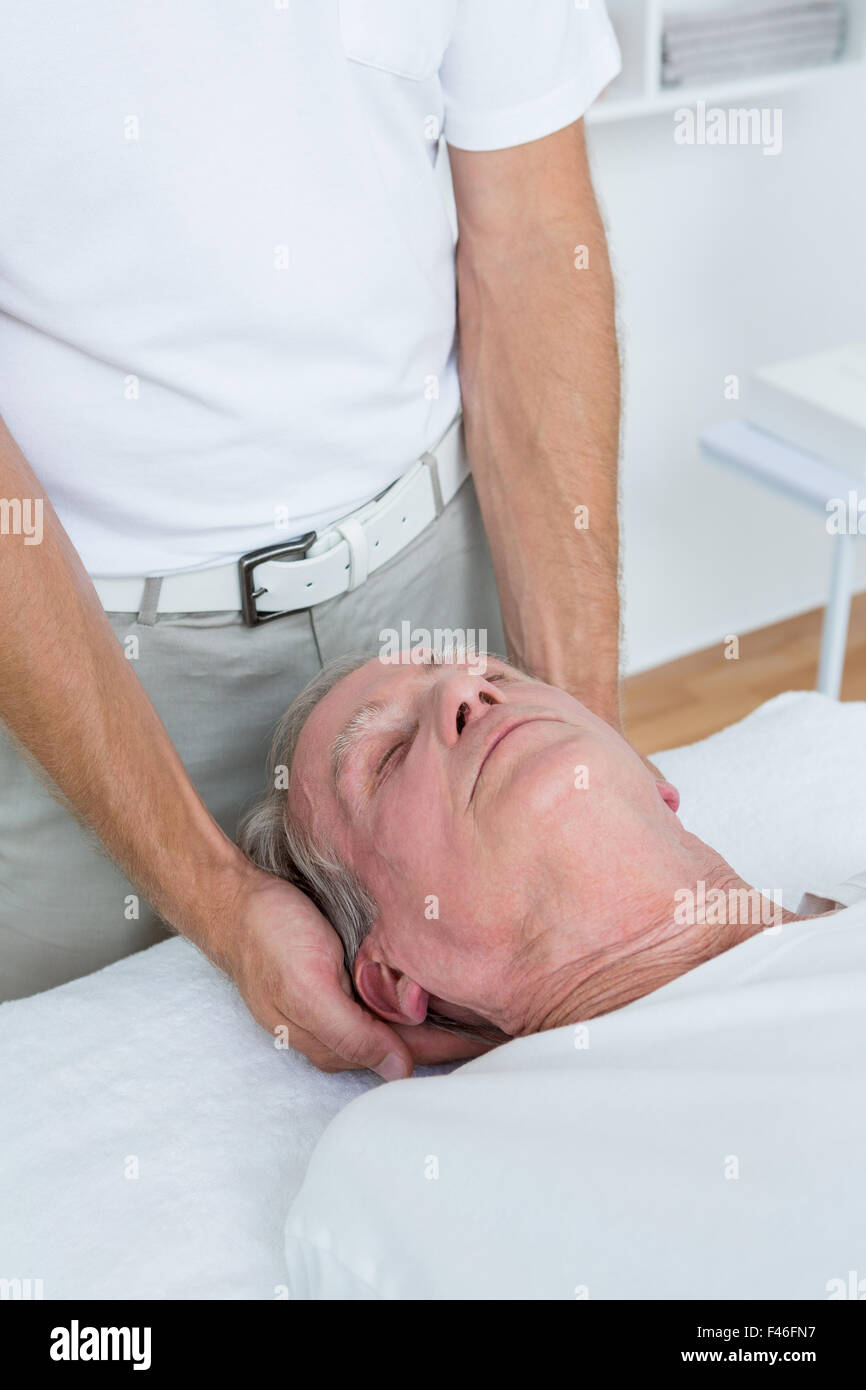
(498, 736)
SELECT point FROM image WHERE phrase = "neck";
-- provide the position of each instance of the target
(720, 911)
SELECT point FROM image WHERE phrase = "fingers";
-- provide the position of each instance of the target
(299, 1040)
(348, 1037)
(426, 1046)
(429, 1044)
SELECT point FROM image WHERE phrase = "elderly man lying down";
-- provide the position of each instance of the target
(493, 856)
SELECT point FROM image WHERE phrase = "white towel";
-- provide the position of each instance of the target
(152, 1062)
(737, 42)
(714, 67)
(746, 17)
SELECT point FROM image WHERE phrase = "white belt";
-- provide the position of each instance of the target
(325, 566)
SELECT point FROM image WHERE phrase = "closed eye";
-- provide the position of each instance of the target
(392, 755)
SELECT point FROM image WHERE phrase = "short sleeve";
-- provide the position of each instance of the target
(516, 70)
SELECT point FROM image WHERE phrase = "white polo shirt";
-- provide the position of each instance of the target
(227, 299)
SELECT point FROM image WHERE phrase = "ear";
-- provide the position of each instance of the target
(669, 794)
(389, 993)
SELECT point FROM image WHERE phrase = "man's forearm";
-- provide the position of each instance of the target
(540, 382)
(71, 698)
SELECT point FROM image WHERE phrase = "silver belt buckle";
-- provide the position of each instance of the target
(296, 549)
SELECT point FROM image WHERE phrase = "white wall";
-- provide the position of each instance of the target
(726, 259)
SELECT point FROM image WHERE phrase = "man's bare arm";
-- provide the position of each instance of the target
(540, 378)
(71, 698)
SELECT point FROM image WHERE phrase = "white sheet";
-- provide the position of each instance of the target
(156, 1057)
(157, 1060)
(704, 1142)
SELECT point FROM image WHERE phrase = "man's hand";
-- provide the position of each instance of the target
(287, 962)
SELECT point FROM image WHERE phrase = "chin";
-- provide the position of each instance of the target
(548, 778)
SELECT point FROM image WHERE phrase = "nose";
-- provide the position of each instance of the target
(461, 699)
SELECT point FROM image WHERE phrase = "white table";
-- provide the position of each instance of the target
(812, 480)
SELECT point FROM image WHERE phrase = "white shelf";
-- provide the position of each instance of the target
(638, 91)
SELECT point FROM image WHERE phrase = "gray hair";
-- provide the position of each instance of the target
(278, 841)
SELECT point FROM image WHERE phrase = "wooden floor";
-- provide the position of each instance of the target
(688, 699)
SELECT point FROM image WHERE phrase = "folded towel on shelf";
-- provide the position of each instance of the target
(745, 16)
(740, 42)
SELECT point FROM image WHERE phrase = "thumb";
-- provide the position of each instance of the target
(361, 1040)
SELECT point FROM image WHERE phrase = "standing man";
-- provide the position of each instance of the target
(227, 324)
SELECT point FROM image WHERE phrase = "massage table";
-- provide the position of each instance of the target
(155, 1140)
